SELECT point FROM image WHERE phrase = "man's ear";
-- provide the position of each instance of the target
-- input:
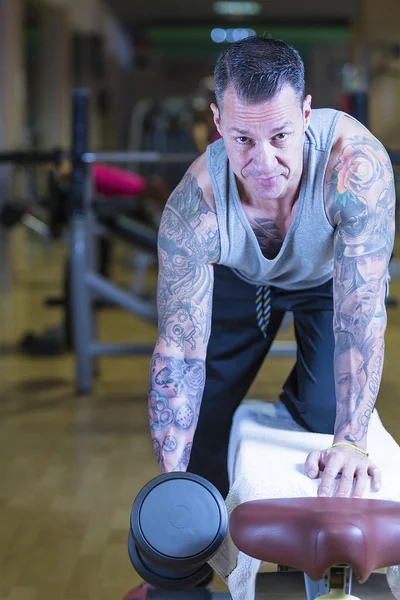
(307, 111)
(217, 117)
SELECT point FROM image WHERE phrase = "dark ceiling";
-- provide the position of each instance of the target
(136, 13)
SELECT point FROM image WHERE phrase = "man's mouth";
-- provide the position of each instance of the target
(267, 181)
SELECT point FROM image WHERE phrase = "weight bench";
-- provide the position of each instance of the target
(179, 522)
(324, 538)
(276, 517)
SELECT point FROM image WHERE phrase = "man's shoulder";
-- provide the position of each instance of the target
(190, 213)
(198, 170)
(358, 162)
(349, 131)
(194, 193)
(355, 148)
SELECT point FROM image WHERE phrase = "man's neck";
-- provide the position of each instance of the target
(270, 206)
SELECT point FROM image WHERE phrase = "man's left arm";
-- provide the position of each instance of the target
(361, 200)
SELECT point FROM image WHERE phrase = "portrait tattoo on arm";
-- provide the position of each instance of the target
(188, 246)
(361, 202)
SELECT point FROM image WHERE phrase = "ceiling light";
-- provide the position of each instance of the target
(218, 35)
(237, 8)
(230, 35)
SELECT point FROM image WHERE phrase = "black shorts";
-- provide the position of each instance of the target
(236, 351)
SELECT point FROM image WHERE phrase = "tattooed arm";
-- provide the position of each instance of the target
(361, 202)
(362, 208)
(188, 246)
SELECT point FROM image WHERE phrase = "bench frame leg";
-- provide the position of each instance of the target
(337, 581)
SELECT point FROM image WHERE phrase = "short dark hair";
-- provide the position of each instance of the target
(258, 67)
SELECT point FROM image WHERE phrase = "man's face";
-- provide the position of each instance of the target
(264, 142)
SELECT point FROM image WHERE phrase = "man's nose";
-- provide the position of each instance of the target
(265, 157)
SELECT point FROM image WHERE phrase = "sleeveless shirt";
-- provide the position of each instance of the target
(305, 259)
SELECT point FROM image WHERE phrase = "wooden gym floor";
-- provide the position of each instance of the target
(71, 466)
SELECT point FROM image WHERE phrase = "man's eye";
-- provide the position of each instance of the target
(242, 139)
(281, 136)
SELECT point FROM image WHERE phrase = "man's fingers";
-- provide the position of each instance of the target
(376, 476)
(312, 464)
(331, 471)
(362, 480)
(354, 473)
(346, 480)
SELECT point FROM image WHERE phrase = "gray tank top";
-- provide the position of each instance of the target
(305, 259)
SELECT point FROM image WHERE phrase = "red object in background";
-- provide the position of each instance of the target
(344, 103)
(112, 181)
(214, 137)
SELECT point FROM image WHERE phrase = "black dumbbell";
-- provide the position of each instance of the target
(178, 522)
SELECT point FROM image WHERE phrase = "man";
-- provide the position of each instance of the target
(283, 213)
(292, 210)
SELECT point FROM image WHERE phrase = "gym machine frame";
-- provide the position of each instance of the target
(86, 283)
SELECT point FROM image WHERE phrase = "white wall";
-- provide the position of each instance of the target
(60, 20)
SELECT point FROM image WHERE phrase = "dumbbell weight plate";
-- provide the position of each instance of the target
(178, 520)
(163, 578)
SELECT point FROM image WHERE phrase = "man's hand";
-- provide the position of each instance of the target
(353, 467)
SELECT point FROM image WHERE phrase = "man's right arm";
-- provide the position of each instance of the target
(188, 246)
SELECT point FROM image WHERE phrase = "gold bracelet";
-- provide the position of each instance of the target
(350, 446)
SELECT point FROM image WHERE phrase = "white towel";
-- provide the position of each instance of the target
(267, 452)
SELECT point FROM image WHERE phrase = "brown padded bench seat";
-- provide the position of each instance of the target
(314, 534)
